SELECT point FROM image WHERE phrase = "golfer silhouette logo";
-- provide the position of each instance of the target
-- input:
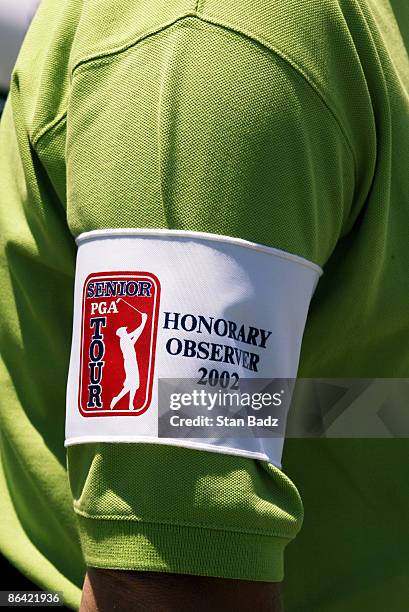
(120, 315)
(127, 341)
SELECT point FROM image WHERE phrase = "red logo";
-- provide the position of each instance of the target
(118, 339)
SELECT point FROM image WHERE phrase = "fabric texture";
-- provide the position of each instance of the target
(281, 123)
(189, 511)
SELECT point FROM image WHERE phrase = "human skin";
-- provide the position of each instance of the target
(129, 591)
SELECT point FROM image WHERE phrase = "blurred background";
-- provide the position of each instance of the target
(15, 17)
(13, 580)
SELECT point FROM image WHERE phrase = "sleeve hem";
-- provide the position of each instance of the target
(157, 547)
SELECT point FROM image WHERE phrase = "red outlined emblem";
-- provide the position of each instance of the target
(118, 340)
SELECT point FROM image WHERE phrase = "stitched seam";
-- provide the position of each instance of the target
(250, 37)
(130, 43)
(49, 127)
(103, 57)
(297, 68)
(197, 525)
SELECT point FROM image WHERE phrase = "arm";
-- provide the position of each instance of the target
(105, 590)
(227, 154)
(236, 159)
(137, 332)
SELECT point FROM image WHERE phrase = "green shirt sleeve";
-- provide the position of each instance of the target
(197, 127)
(191, 126)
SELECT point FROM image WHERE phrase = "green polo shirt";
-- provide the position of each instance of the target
(284, 124)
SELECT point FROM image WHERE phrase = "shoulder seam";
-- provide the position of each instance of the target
(131, 43)
(298, 69)
(103, 55)
(46, 129)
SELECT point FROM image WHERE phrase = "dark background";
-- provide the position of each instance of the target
(13, 580)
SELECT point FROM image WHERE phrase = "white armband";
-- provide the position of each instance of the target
(154, 305)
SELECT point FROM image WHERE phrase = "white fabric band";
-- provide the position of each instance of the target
(161, 304)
